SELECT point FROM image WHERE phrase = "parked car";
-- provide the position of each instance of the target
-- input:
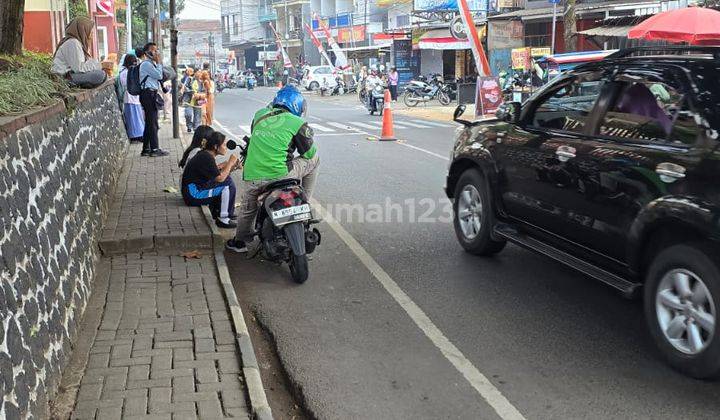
(316, 76)
(611, 169)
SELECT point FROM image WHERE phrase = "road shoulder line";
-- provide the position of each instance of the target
(477, 380)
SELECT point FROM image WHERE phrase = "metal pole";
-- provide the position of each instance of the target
(128, 24)
(150, 19)
(554, 23)
(173, 63)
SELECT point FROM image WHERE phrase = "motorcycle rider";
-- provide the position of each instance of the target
(277, 132)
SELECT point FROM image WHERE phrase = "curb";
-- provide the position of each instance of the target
(253, 381)
(110, 247)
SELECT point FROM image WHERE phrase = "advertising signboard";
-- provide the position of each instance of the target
(521, 58)
(488, 96)
(405, 61)
(436, 5)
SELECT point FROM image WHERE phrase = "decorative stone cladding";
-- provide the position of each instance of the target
(58, 167)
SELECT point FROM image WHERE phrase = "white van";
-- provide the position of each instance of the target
(316, 76)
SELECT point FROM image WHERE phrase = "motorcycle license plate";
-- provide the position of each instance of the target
(300, 211)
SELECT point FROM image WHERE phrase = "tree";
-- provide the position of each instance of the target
(139, 18)
(570, 26)
(11, 26)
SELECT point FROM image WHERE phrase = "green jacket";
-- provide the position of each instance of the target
(276, 135)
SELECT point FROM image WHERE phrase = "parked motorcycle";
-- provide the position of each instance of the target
(220, 86)
(423, 91)
(283, 223)
(339, 88)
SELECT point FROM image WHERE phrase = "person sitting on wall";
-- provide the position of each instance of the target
(72, 59)
(206, 182)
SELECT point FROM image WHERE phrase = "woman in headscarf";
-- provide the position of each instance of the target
(73, 60)
(132, 110)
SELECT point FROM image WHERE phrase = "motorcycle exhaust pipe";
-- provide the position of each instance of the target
(312, 240)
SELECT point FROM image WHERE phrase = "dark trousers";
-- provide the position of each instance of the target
(393, 92)
(149, 105)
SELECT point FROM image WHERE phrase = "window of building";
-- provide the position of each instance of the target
(402, 20)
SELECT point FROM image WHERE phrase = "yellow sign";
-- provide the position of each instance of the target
(540, 51)
(520, 58)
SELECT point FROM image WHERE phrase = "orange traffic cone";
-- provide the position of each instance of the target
(388, 131)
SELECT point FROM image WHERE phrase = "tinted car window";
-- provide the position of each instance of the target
(568, 108)
(650, 110)
(323, 70)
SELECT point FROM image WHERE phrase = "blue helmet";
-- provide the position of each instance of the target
(291, 99)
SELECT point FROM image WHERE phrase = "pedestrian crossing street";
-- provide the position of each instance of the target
(331, 127)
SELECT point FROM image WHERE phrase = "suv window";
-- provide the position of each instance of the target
(568, 108)
(650, 111)
(323, 70)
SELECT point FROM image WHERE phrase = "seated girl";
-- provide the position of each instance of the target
(72, 59)
(206, 182)
(202, 132)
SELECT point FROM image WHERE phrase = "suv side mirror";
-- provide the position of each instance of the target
(458, 112)
(509, 112)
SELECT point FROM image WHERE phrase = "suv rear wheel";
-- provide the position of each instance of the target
(682, 303)
(474, 214)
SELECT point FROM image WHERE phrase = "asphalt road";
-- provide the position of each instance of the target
(550, 343)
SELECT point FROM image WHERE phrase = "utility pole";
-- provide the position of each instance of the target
(173, 63)
(128, 25)
(150, 20)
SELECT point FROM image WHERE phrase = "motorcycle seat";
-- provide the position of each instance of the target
(275, 185)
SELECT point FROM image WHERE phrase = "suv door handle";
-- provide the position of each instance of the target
(670, 172)
(565, 153)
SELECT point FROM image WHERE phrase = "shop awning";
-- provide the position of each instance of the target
(442, 39)
(608, 31)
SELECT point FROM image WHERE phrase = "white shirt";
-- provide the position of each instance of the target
(128, 98)
(70, 57)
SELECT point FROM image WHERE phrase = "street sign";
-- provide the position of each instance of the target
(554, 1)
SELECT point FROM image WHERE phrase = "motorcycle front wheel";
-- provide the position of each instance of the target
(409, 99)
(299, 268)
(444, 98)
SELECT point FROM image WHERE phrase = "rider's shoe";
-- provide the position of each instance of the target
(236, 245)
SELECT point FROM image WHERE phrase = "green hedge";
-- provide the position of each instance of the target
(26, 82)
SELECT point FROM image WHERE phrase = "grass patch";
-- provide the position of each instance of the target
(26, 82)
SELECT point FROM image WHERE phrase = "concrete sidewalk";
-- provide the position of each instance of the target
(164, 339)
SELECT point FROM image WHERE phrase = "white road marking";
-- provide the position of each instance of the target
(320, 127)
(225, 129)
(347, 133)
(477, 380)
(414, 124)
(420, 149)
(342, 126)
(432, 123)
(245, 128)
(363, 125)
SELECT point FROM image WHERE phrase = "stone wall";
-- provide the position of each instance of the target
(58, 167)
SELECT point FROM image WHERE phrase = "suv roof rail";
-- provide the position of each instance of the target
(667, 50)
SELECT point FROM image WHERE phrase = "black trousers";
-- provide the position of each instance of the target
(393, 92)
(149, 105)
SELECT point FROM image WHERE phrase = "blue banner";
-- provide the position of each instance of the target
(433, 5)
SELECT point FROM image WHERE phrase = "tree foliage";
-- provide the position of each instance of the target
(140, 16)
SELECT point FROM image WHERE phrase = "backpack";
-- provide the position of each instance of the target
(134, 85)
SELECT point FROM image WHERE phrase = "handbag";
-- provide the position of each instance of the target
(159, 101)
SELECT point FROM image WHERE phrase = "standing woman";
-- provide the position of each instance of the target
(132, 110)
(393, 79)
(72, 59)
(209, 85)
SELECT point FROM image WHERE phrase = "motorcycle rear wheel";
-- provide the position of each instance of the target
(409, 99)
(299, 268)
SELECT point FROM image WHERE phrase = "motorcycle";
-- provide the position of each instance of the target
(283, 223)
(220, 86)
(339, 88)
(250, 82)
(375, 101)
(422, 91)
(362, 92)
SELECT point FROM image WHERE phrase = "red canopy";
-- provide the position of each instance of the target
(696, 25)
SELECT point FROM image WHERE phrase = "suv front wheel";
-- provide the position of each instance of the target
(474, 215)
(682, 300)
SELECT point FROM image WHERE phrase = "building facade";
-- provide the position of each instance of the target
(200, 41)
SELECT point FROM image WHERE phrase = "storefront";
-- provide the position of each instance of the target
(442, 52)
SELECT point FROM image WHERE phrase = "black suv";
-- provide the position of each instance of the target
(612, 168)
